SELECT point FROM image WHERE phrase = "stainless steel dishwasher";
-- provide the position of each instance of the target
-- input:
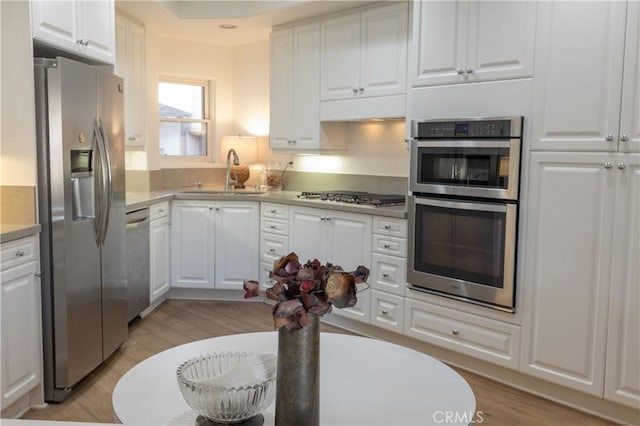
(138, 261)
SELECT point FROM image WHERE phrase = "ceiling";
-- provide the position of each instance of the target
(200, 20)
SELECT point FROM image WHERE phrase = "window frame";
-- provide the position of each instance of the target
(208, 113)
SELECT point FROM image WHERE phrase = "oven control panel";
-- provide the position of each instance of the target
(453, 129)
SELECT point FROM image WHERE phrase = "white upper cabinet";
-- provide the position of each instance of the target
(629, 133)
(581, 65)
(462, 41)
(85, 28)
(365, 54)
(295, 88)
(130, 65)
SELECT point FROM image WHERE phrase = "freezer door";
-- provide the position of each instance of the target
(114, 258)
(75, 256)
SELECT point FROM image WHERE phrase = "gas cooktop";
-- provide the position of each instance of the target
(355, 197)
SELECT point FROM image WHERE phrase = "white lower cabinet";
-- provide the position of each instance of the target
(160, 255)
(21, 335)
(387, 311)
(582, 274)
(338, 237)
(214, 244)
(482, 338)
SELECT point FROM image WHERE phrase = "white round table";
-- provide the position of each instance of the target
(362, 382)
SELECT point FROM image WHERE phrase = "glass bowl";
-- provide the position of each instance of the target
(228, 387)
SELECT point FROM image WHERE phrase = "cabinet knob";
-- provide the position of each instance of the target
(624, 138)
(19, 253)
(609, 138)
(469, 70)
(387, 226)
(622, 166)
(328, 218)
(386, 246)
(385, 275)
(361, 89)
(38, 274)
(210, 208)
(272, 250)
(455, 332)
(385, 312)
(161, 210)
(607, 165)
(273, 211)
(460, 71)
(272, 226)
(355, 90)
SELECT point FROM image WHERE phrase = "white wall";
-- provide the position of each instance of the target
(17, 134)
(179, 58)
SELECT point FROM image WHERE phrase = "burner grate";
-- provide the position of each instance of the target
(355, 197)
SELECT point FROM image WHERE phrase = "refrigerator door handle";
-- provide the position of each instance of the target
(98, 185)
(108, 180)
(101, 212)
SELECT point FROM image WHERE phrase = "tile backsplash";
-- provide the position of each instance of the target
(17, 205)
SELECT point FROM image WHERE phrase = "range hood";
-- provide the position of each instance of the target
(383, 107)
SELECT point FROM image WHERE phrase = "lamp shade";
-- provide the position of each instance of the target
(245, 146)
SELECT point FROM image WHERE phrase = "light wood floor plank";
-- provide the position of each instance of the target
(181, 321)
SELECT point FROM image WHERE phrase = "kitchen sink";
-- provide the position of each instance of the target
(221, 192)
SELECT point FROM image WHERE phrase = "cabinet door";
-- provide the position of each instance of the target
(236, 244)
(630, 115)
(135, 83)
(340, 57)
(21, 352)
(96, 24)
(192, 244)
(159, 258)
(121, 66)
(567, 268)
(306, 86)
(501, 40)
(576, 100)
(308, 234)
(350, 246)
(54, 22)
(439, 42)
(281, 99)
(383, 50)
(622, 380)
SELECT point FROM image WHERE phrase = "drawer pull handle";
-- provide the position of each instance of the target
(19, 253)
(385, 312)
(455, 332)
(387, 226)
(386, 246)
(385, 275)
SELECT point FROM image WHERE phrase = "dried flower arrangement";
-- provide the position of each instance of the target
(311, 288)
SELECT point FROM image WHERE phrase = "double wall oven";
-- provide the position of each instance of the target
(463, 208)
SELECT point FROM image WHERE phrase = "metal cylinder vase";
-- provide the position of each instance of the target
(298, 379)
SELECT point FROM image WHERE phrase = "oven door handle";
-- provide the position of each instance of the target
(465, 144)
(460, 205)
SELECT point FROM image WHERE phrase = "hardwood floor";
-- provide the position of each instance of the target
(178, 321)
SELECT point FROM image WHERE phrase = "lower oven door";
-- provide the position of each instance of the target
(463, 249)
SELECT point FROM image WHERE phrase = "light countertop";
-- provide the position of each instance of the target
(11, 231)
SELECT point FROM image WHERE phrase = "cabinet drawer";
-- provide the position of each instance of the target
(390, 245)
(159, 210)
(18, 252)
(274, 226)
(387, 311)
(275, 211)
(472, 335)
(361, 311)
(273, 247)
(389, 226)
(389, 273)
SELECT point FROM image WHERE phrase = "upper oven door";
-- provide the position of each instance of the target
(474, 168)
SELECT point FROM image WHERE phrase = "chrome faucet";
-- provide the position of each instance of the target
(228, 182)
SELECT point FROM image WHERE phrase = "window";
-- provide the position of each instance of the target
(184, 118)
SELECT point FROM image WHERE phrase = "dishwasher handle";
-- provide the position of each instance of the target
(137, 218)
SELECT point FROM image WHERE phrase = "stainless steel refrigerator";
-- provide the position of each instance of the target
(81, 203)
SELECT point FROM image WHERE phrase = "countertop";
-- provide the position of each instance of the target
(136, 200)
(10, 231)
